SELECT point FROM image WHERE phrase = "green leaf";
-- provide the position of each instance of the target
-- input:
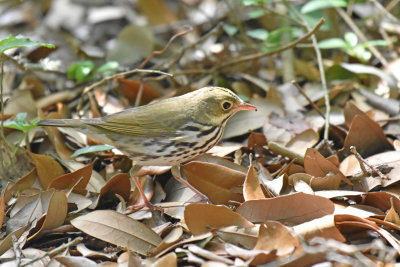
(259, 34)
(108, 68)
(321, 4)
(19, 41)
(375, 43)
(351, 39)
(19, 123)
(80, 71)
(332, 43)
(230, 30)
(254, 2)
(91, 149)
(256, 13)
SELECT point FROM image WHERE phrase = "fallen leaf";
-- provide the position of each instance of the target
(251, 187)
(275, 236)
(217, 182)
(291, 209)
(118, 229)
(78, 180)
(202, 218)
(47, 168)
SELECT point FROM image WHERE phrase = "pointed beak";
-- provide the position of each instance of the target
(245, 106)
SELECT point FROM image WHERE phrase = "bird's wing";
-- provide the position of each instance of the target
(143, 122)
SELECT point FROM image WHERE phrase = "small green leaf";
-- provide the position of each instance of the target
(259, 34)
(19, 41)
(321, 4)
(91, 149)
(80, 71)
(256, 13)
(230, 30)
(19, 123)
(332, 43)
(375, 43)
(351, 39)
(108, 68)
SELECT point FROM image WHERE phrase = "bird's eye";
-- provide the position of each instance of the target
(226, 105)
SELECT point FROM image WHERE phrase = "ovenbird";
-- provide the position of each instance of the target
(168, 132)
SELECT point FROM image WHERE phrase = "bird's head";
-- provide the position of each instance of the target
(217, 104)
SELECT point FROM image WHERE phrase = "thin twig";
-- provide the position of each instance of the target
(322, 74)
(252, 56)
(301, 90)
(361, 35)
(200, 40)
(363, 161)
(283, 48)
(139, 94)
(186, 30)
(55, 251)
(118, 75)
(17, 250)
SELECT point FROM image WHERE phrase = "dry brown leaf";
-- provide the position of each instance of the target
(256, 139)
(323, 227)
(251, 187)
(25, 182)
(56, 138)
(350, 111)
(118, 229)
(75, 261)
(130, 88)
(202, 218)
(292, 209)
(318, 166)
(253, 257)
(275, 236)
(7, 243)
(237, 236)
(47, 168)
(78, 180)
(367, 136)
(157, 12)
(350, 223)
(168, 241)
(55, 215)
(2, 210)
(392, 216)
(330, 182)
(118, 184)
(301, 141)
(169, 260)
(218, 183)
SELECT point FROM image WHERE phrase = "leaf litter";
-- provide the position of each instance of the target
(283, 187)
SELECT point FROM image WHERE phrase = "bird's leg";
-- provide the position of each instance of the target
(176, 173)
(133, 173)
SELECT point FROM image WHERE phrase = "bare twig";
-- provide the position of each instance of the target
(361, 35)
(363, 162)
(322, 74)
(266, 54)
(118, 75)
(55, 251)
(200, 40)
(186, 30)
(301, 90)
(252, 56)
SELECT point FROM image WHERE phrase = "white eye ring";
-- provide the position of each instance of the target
(226, 105)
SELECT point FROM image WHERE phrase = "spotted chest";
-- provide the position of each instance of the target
(193, 140)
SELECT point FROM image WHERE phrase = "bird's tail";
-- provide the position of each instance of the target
(60, 123)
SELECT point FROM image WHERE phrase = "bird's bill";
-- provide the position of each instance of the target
(245, 106)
